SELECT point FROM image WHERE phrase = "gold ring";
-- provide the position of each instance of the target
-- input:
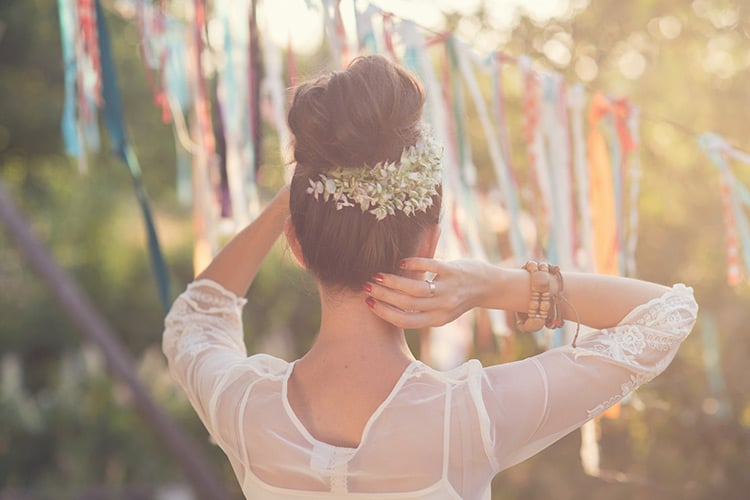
(432, 287)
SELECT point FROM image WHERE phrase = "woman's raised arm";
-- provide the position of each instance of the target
(600, 301)
(236, 265)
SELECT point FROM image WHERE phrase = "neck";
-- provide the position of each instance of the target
(349, 330)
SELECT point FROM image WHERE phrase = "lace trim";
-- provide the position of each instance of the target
(211, 293)
(205, 313)
(654, 310)
(646, 341)
(626, 388)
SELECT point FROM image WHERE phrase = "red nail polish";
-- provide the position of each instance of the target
(367, 287)
(379, 278)
(370, 302)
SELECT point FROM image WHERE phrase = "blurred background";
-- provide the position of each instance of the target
(68, 429)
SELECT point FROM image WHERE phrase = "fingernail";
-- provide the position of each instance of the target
(367, 287)
(402, 264)
(370, 302)
(379, 278)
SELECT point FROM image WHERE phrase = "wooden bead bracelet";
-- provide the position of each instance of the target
(544, 304)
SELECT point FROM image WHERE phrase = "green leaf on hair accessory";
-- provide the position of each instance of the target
(407, 186)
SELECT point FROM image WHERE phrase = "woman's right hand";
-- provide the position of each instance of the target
(409, 301)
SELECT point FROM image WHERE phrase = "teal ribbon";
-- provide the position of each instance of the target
(69, 122)
(115, 125)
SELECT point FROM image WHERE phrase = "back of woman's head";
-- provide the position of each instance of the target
(350, 119)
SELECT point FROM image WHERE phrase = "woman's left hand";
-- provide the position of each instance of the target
(410, 301)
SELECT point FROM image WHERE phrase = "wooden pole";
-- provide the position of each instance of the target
(81, 311)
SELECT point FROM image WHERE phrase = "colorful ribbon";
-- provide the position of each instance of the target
(509, 183)
(585, 246)
(115, 125)
(502, 173)
(601, 192)
(69, 123)
(734, 196)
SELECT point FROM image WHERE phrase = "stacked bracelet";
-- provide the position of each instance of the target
(544, 304)
(540, 298)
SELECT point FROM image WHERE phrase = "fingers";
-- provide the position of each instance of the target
(421, 264)
(421, 300)
(399, 317)
(404, 285)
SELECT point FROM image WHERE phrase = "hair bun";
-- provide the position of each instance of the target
(364, 115)
(309, 122)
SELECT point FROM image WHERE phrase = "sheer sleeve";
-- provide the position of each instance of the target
(204, 346)
(530, 404)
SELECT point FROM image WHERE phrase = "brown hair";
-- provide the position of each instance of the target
(367, 114)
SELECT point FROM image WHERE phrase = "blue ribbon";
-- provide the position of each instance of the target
(69, 122)
(115, 124)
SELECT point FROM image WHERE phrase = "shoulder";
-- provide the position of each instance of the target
(267, 366)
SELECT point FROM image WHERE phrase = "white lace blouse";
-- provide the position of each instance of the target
(438, 435)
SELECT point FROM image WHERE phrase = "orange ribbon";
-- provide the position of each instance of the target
(602, 197)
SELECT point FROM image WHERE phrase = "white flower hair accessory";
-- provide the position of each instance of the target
(407, 185)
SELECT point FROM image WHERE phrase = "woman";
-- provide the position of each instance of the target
(358, 415)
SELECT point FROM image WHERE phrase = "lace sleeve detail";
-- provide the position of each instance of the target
(204, 313)
(534, 402)
(646, 340)
(203, 339)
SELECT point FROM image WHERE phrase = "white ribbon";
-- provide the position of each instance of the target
(273, 88)
(492, 137)
(553, 129)
(233, 96)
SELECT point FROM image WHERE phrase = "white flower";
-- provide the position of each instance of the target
(406, 186)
